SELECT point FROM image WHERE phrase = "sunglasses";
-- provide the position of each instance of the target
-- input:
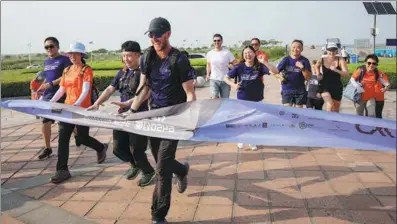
(373, 63)
(255, 44)
(155, 34)
(49, 47)
(217, 40)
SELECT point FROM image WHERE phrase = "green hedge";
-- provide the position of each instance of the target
(102, 80)
(112, 65)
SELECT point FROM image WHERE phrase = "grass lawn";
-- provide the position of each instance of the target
(17, 76)
(386, 65)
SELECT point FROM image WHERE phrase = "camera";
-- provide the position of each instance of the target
(285, 77)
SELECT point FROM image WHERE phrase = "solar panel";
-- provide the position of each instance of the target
(370, 8)
(379, 8)
(389, 8)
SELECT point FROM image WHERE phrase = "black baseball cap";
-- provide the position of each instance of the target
(159, 25)
(131, 46)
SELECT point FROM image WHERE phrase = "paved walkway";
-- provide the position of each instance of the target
(272, 185)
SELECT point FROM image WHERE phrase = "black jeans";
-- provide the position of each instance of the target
(138, 145)
(121, 146)
(65, 131)
(378, 109)
(163, 151)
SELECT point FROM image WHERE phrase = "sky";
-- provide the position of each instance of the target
(109, 24)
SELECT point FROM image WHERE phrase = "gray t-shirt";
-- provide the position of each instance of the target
(312, 87)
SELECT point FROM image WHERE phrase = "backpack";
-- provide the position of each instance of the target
(94, 89)
(149, 53)
(363, 69)
(132, 83)
(350, 92)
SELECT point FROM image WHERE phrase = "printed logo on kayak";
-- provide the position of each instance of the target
(155, 127)
(385, 132)
(304, 125)
(56, 111)
(257, 125)
(338, 127)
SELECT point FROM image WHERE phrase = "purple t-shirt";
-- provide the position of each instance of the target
(53, 69)
(166, 89)
(251, 87)
(296, 80)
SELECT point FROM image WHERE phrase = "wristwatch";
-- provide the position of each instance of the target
(51, 83)
(133, 111)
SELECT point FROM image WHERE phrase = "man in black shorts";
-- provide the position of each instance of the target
(53, 70)
(164, 88)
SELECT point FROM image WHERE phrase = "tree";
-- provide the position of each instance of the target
(246, 43)
(272, 42)
(264, 43)
(100, 51)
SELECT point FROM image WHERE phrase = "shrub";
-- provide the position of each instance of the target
(198, 62)
(102, 79)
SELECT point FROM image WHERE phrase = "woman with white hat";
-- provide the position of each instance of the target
(76, 82)
(330, 69)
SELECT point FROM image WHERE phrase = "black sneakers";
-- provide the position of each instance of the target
(160, 222)
(45, 154)
(101, 156)
(146, 179)
(133, 172)
(181, 182)
(60, 176)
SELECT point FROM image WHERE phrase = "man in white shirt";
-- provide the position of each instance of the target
(218, 61)
(344, 54)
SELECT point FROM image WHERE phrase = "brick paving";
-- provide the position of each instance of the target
(271, 185)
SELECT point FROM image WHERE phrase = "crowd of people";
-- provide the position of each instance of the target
(162, 76)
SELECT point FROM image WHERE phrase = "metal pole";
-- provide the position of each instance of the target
(374, 31)
(286, 49)
(30, 50)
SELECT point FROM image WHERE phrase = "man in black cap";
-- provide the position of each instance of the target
(129, 147)
(166, 80)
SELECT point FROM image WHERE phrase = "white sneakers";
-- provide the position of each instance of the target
(252, 147)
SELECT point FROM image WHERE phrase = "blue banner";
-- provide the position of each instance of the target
(230, 120)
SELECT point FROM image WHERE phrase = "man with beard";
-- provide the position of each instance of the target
(166, 80)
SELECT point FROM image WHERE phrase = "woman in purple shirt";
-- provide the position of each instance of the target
(247, 78)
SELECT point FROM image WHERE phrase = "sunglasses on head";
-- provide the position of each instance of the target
(49, 47)
(155, 34)
(217, 40)
(373, 63)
